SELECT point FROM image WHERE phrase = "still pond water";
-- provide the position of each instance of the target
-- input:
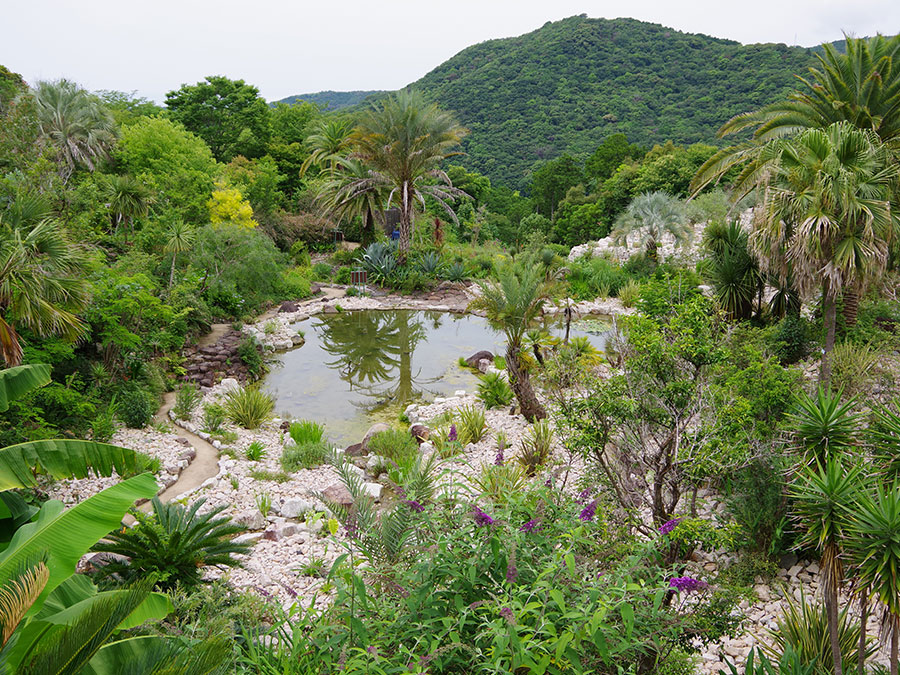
(357, 368)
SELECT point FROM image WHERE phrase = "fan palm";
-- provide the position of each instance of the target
(826, 218)
(128, 199)
(180, 237)
(42, 285)
(511, 303)
(650, 216)
(328, 145)
(823, 496)
(403, 141)
(77, 124)
(874, 551)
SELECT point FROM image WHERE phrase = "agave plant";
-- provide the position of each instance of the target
(380, 259)
(431, 264)
(174, 543)
(456, 272)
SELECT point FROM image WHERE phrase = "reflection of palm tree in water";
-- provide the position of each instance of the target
(373, 353)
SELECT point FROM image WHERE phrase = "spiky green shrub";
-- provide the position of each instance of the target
(456, 272)
(187, 398)
(535, 447)
(104, 424)
(472, 426)
(248, 407)
(306, 431)
(498, 482)
(304, 456)
(394, 444)
(255, 451)
(174, 543)
(494, 391)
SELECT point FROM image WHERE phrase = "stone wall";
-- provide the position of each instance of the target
(207, 365)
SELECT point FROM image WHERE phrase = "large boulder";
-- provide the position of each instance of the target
(376, 428)
(339, 494)
(288, 307)
(294, 507)
(473, 360)
(420, 432)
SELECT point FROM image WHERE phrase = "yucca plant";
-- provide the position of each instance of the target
(187, 398)
(494, 391)
(174, 543)
(255, 451)
(472, 425)
(535, 447)
(854, 366)
(759, 664)
(804, 629)
(248, 407)
(884, 436)
(873, 548)
(823, 424)
(498, 482)
(823, 496)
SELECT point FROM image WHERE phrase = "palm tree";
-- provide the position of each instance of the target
(651, 215)
(403, 141)
(77, 124)
(823, 496)
(826, 217)
(42, 283)
(874, 550)
(338, 195)
(128, 199)
(180, 237)
(328, 145)
(511, 303)
(732, 269)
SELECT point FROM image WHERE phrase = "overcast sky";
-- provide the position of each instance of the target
(296, 46)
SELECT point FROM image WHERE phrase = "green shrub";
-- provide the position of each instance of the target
(394, 444)
(264, 503)
(343, 276)
(494, 391)
(321, 271)
(187, 398)
(248, 407)
(213, 418)
(266, 475)
(472, 426)
(296, 283)
(304, 456)
(756, 501)
(629, 293)
(299, 254)
(790, 342)
(174, 543)
(249, 352)
(103, 426)
(498, 482)
(456, 272)
(306, 431)
(135, 408)
(255, 451)
(535, 447)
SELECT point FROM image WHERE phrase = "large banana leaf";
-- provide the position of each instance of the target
(18, 381)
(62, 458)
(62, 535)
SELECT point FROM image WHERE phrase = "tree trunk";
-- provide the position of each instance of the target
(832, 611)
(863, 615)
(851, 307)
(652, 255)
(172, 272)
(829, 310)
(368, 233)
(406, 214)
(520, 381)
(894, 636)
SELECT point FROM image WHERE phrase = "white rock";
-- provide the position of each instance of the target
(373, 489)
(294, 507)
(229, 384)
(459, 392)
(252, 520)
(249, 538)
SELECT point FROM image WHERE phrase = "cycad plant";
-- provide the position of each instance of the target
(823, 495)
(174, 543)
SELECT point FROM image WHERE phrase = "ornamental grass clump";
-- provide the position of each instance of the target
(306, 456)
(187, 398)
(472, 426)
(248, 407)
(534, 451)
(395, 445)
(306, 431)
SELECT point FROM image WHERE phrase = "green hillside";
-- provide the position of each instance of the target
(571, 83)
(332, 100)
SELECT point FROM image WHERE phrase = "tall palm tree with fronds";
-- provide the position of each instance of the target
(328, 145)
(826, 217)
(511, 303)
(42, 282)
(650, 216)
(76, 123)
(874, 551)
(179, 238)
(823, 497)
(128, 199)
(338, 195)
(403, 140)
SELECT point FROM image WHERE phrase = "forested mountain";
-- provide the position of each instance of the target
(571, 83)
(332, 100)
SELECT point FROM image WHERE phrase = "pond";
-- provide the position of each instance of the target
(358, 368)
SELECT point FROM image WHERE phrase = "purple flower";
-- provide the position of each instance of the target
(587, 513)
(481, 518)
(512, 572)
(372, 649)
(549, 482)
(686, 584)
(452, 435)
(584, 495)
(667, 527)
(498, 460)
(414, 505)
(263, 592)
(507, 614)
(530, 526)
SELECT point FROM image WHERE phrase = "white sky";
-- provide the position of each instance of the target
(297, 46)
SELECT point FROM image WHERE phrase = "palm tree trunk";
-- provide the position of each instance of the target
(863, 615)
(829, 308)
(895, 620)
(652, 254)
(851, 307)
(172, 272)
(520, 381)
(405, 224)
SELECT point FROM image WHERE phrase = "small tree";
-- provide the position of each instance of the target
(650, 216)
